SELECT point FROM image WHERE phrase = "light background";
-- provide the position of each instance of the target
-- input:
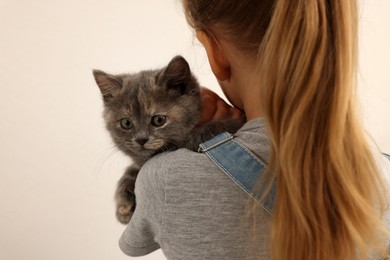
(58, 168)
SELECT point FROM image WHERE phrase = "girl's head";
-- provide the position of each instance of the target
(243, 22)
(302, 57)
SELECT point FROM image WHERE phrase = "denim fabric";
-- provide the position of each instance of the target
(241, 165)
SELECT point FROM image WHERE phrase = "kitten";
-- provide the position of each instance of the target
(150, 112)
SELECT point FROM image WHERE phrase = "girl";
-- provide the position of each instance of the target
(291, 67)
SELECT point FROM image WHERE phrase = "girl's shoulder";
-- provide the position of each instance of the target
(175, 167)
(192, 201)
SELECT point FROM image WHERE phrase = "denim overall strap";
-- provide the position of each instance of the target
(240, 165)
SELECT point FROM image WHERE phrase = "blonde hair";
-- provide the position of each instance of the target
(330, 194)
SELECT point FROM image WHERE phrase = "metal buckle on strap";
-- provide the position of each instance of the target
(203, 150)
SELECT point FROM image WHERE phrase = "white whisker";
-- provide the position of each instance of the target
(107, 155)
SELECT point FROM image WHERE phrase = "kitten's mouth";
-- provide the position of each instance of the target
(166, 147)
(159, 146)
(147, 150)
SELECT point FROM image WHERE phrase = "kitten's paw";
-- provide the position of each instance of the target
(125, 202)
(124, 211)
(125, 197)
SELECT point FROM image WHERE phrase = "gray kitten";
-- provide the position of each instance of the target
(151, 112)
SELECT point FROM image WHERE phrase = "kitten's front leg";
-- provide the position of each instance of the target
(124, 195)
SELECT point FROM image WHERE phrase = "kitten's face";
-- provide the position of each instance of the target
(150, 111)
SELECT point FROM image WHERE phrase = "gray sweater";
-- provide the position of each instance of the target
(191, 210)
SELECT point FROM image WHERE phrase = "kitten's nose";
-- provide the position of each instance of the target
(141, 141)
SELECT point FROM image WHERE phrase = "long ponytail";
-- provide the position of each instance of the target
(329, 190)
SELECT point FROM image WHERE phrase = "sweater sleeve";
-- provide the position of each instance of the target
(143, 234)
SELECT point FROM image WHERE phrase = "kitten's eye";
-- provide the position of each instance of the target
(158, 120)
(126, 123)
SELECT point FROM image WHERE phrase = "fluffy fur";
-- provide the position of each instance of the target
(151, 112)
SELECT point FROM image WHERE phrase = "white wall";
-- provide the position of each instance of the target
(375, 69)
(58, 168)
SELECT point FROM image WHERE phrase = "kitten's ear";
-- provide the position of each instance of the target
(177, 75)
(109, 85)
